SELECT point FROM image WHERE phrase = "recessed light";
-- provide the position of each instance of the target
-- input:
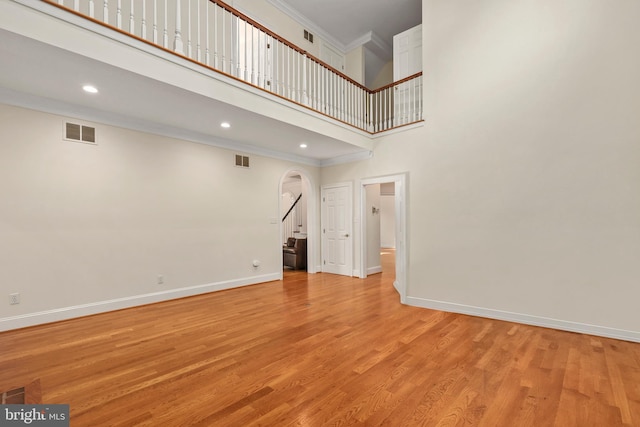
(90, 89)
(225, 125)
(303, 145)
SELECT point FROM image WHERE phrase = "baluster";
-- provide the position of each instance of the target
(105, 11)
(384, 104)
(178, 46)
(298, 76)
(349, 98)
(353, 102)
(189, 49)
(61, 2)
(332, 99)
(377, 116)
(206, 42)
(288, 78)
(76, 5)
(155, 22)
(381, 117)
(318, 94)
(421, 95)
(92, 12)
(357, 98)
(412, 101)
(305, 81)
(132, 28)
(316, 85)
(165, 33)
(343, 98)
(322, 87)
(119, 15)
(215, 36)
(369, 107)
(275, 75)
(198, 53)
(224, 44)
(294, 75)
(259, 53)
(405, 103)
(252, 54)
(255, 56)
(290, 70)
(339, 97)
(244, 74)
(143, 24)
(234, 45)
(392, 117)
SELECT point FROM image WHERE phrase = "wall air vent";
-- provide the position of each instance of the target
(308, 36)
(242, 161)
(79, 133)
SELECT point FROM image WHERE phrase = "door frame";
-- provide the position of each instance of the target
(312, 220)
(350, 239)
(402, 255)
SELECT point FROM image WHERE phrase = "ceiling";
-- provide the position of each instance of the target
(348, 23)
(164, 109)
(57, 90)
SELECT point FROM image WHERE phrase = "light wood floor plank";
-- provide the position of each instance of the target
(317, 350)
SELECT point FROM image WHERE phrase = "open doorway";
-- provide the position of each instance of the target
(384, 242)
(297, 230)
(380, 218)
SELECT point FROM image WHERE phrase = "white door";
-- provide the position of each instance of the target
(337, 239)
(332, 57)
(407, 61)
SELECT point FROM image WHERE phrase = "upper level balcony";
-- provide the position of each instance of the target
(220, 42)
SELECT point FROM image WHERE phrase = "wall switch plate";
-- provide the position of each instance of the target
(160, 279)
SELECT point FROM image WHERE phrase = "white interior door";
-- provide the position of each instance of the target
(337, 239)
(407, 61)
(332, 57)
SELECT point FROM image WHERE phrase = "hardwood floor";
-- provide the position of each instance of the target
(320, 350)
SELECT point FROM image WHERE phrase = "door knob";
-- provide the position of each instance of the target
(346, 235)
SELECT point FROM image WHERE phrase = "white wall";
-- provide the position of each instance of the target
(89, 228)
(355, 65)
(387, 221)
(373, 229)
(524, 186)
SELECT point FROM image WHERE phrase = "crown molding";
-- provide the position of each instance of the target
(374, 43)
(308, 24)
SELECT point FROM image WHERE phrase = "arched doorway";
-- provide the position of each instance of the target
(302, 220)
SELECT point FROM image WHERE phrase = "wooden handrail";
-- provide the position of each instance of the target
(368, 109)
(406, 79)
(286, 42)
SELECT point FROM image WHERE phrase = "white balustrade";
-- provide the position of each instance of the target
(243, 49)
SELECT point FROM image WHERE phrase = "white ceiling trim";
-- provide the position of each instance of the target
(374, 43)
(309, 25)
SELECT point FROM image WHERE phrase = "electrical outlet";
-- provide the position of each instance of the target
(160, 279)
(14, 299)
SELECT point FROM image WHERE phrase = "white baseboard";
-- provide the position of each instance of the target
(55, 315)
(526, 319)
(374, 270)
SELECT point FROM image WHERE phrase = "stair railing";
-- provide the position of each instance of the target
(217, 36)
